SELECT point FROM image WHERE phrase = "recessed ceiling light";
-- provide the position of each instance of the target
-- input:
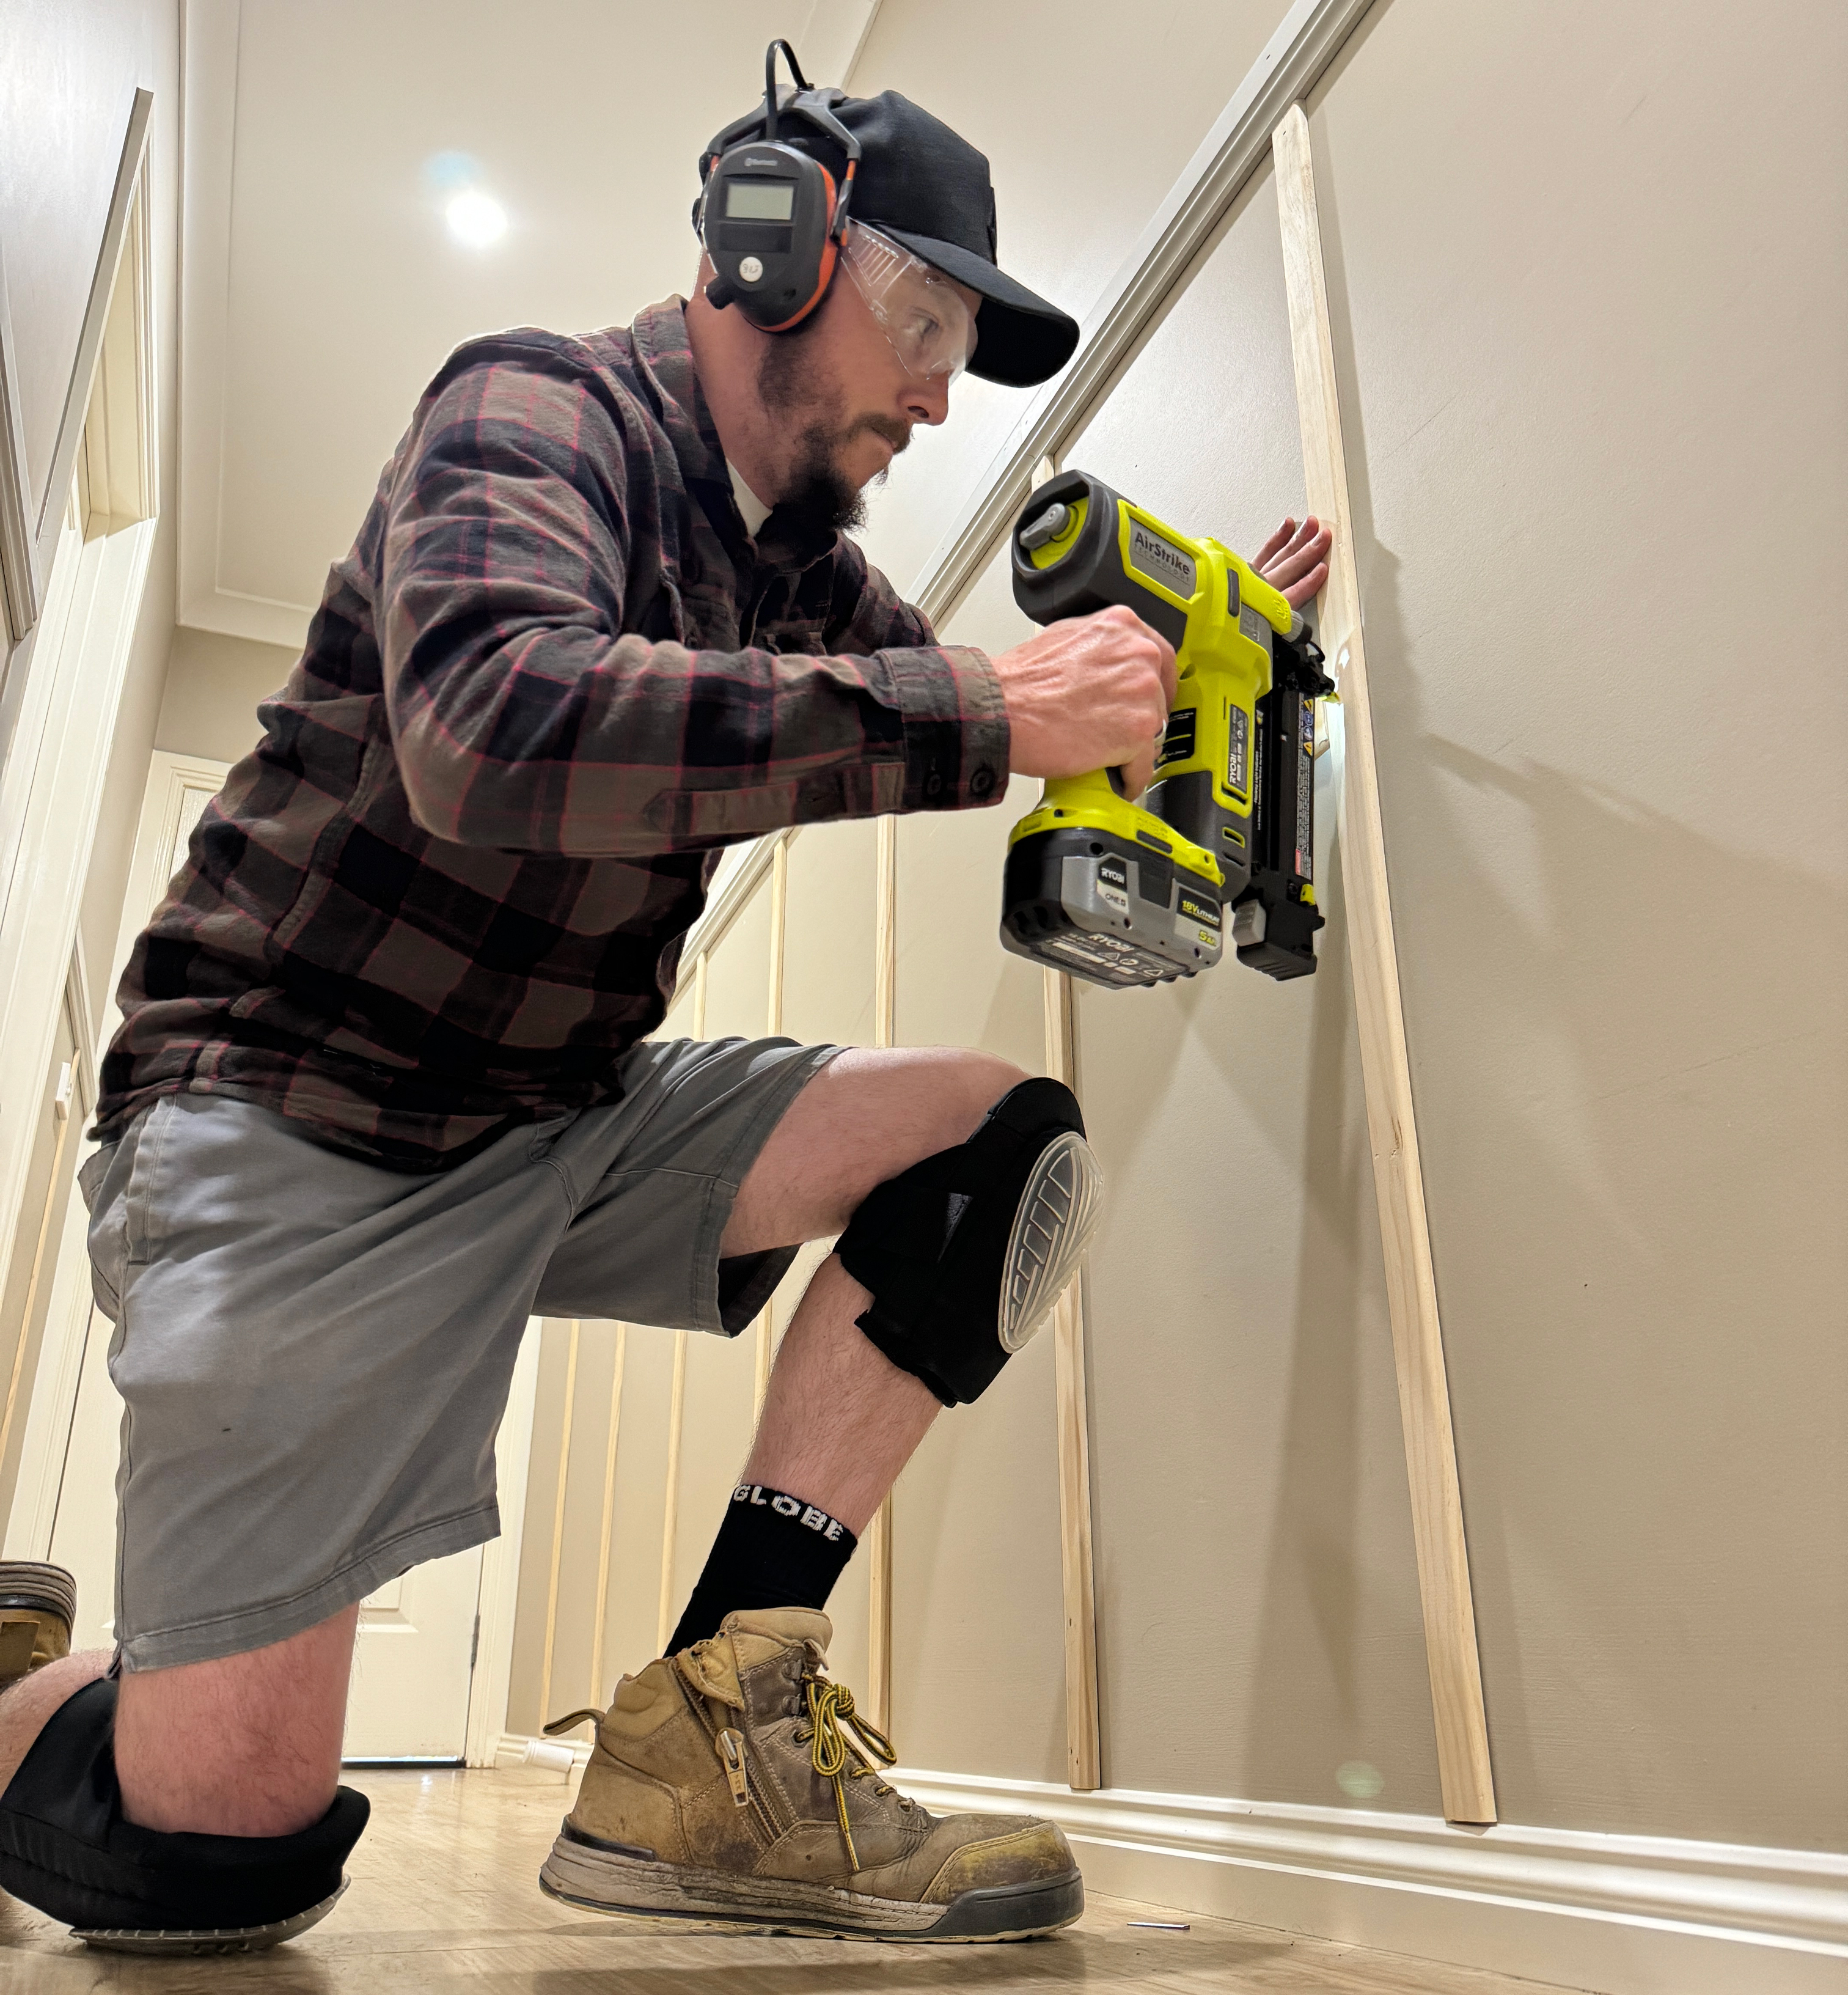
(476, 218)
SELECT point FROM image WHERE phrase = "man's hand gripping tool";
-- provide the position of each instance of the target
(1126, 893)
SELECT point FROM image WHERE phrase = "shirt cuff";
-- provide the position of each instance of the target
(955, 726)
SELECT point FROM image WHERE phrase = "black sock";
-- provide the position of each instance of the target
(772, 1550)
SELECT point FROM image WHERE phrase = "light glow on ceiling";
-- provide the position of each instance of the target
(475, 218)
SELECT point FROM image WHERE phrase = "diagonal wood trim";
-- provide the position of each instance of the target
(19, 579)
(96, 318)
(1307, 40)
(1437, 1508)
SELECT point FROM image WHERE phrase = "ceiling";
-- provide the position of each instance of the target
(320, 287)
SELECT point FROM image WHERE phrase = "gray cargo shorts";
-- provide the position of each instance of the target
(314, 1353)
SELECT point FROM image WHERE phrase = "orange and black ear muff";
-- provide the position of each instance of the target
(772, 217)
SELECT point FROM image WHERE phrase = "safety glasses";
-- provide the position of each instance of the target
(920, 311)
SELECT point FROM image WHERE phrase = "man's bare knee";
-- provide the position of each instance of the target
(869, 1114)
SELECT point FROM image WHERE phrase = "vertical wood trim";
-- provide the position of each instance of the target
(609, 1515)
(498, 1600)
(767, 1344)
(564, 1472)
(676, 1405)
(878, 1532)
(1464, 1770)
(885, 937)
(1084, 1750)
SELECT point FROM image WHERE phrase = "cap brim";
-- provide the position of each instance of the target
(1022, 340)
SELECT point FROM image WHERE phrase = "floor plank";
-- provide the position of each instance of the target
(443, 1897)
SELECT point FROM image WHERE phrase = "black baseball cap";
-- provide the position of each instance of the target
(920, 183)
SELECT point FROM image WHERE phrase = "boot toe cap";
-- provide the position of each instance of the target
(988, 1851)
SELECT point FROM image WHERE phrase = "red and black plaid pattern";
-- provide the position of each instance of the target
(446, 890)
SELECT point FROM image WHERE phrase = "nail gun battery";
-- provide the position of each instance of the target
(1119, 913)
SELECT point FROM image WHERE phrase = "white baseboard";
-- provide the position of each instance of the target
(1621, 1914)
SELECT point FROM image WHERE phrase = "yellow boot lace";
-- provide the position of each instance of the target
(831, 1716)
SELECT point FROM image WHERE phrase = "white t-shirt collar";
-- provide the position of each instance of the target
(753, 509)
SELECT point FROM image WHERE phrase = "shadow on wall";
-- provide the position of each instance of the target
(1629, 1099)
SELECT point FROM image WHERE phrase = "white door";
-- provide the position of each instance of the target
(411, 1664)
(411, 1669)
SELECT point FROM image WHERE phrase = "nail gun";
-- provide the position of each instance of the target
(1127, 894)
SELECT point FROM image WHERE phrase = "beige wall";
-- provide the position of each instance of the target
(1590, 367)
(214, 686)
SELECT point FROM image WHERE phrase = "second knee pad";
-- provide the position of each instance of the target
(65, 1847)
(966, 1253)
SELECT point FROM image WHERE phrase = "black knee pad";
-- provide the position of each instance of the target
(65, 1847)
(966, 1253)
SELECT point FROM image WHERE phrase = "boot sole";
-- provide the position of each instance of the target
(680, 1898)
(1058, 1213)
(225, 1939)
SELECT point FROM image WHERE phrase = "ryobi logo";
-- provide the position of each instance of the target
(1160, 561)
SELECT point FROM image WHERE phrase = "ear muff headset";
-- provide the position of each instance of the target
(771, 217)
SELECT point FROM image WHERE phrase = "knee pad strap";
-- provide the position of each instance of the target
(65, 1847)
(966, 1253)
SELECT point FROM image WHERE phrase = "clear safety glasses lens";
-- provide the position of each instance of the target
(931, 329)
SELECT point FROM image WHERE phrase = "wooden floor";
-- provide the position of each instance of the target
(443, 1895)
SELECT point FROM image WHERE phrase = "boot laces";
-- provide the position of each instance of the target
(831, 1717)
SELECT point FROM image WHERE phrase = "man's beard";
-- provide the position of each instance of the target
(819, 496)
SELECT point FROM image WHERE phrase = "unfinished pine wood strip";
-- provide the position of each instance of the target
(677, 1406)
(1465, 1773)
(557, 1558)
(766, 1343)
(885, 1024)
(609, 1515)
(1084, 1750)
(677, 1402)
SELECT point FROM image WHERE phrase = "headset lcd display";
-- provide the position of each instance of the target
(758, 200)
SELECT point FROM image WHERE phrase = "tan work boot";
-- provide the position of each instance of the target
(38, 1605)
(733, 1788)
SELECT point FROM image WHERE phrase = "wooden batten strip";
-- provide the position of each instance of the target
(1465, 1774)
(609, 1514)
(677, 1404)
(557, 1558)
(676, 1407)
(766, 1337)
(878, 1532)
(1084, 1749)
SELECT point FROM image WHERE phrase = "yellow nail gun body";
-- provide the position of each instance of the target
(1221, 849)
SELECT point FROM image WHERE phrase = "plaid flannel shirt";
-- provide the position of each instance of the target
(446, 890)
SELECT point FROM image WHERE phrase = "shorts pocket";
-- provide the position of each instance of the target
(141, 1230)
